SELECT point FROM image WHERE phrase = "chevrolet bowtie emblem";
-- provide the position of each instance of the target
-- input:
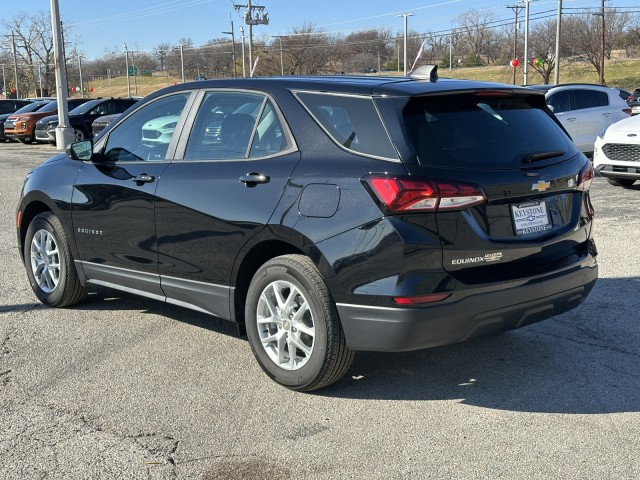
(541, 186)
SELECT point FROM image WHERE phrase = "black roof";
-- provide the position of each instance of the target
(365, 85)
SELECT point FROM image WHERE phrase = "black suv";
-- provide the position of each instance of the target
(324, 215)
(81, 118)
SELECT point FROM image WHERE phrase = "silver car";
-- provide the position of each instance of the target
(585, 109)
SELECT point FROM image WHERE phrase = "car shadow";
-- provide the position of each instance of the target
(586, 361)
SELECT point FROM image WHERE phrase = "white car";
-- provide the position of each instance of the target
(616, 153)
(585, 109)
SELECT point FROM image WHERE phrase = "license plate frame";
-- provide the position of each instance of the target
(530, 217)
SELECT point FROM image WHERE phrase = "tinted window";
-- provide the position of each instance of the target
(146, 134)
(560, 101)
(590, 99)
(31, 107)
(350, 121)
(224, 126)
(480, 132)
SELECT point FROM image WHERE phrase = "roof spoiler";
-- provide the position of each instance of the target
(425, 72)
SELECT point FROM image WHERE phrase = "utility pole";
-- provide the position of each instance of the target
(233, 48)
(261, 18)
(602, 42)
(556, 72)
(516, 9)
(451, 47)
(4, 81)
(15, 63)
(64, 133)
(405, 15)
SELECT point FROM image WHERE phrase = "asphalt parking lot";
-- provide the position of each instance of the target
(125, 387)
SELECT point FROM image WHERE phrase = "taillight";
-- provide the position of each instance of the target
(406, 194)
(585, 177)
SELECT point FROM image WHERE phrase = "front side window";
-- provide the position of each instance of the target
(489, 132)
(560, 101)
(146, 134)
(351, 121)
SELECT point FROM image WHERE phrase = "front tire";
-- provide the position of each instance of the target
(621, 182)
(293, 326)
(49, 263)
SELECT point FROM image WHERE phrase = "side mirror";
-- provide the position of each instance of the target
(80, 150)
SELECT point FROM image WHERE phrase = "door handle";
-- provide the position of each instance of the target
(608, 114)
(253, 179)
(572, 119)
(143, 178)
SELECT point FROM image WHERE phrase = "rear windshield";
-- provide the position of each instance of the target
(482, 131)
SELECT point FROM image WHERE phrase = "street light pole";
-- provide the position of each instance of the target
(80, 72)
(244, 69)
(405, 15)
(126, 62)
(64, 133)
(526, 40)
(233, 48)
(182, 61)
(279, 37)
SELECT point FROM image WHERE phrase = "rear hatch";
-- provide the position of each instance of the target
(513, 188)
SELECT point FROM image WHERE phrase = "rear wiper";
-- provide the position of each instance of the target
(534, 157)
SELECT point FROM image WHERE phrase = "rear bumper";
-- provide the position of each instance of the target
(508, 306)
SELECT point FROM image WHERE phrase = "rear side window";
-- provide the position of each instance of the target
(589, 98)
(482, 131)
(351, 121)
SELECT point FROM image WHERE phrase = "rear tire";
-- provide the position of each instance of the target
(49, 263)
(621, 182)
(293, 326)
(79, 135)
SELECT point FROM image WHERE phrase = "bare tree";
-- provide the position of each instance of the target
(542, 41)
(306, 51)
(583, 35)
(34, 49)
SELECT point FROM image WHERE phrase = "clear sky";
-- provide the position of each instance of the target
(106, 25)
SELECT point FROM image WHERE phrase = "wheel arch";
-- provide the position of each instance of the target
(245, 269)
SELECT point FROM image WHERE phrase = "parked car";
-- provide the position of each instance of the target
(346, 214)
(633, 100)
(617, 152)
(10, 105)
(100, 123)
(585, 109)
(22, 126)
(81, 118)
(29, 107)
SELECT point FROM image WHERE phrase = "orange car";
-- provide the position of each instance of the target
(23, 126)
